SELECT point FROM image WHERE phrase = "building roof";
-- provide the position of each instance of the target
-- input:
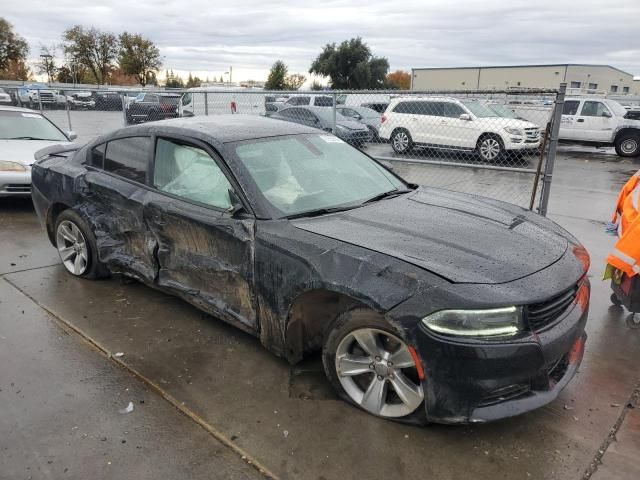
(523, 66)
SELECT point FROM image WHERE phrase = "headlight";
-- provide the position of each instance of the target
(476, 323)
(11, 167)
(514, 131)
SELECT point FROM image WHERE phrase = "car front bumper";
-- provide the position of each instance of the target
(480, 381)
(355, 136)
(15, 184)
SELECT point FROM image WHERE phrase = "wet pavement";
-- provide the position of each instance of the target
(213, 395)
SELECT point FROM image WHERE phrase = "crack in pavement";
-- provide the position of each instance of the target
(632, 403)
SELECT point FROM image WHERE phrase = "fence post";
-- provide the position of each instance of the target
(66, 105)
(206, 104)
(333, 115)
(124, 107)
(551, 157)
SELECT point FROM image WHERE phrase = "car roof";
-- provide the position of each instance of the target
(17, 109)
(423, 98)
(218, 128)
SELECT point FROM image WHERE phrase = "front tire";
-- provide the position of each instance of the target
(401, 141)
(628, 144)
(371, 366)
(490, 148)
(77, 248)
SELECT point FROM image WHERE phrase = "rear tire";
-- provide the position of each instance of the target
(369, 364)
(401, 141)
(628, 144)
(77, 248)
(615, 300)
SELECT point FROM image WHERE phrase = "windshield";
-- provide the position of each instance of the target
(366, 112)
(303, 173)
(618, 109)
(326, 114)
(479, 110)
(18, 125)
(501, 110)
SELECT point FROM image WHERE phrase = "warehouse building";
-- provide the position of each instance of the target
(602, 78)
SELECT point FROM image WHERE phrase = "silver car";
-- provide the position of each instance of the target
(364, 115)
(22, 133)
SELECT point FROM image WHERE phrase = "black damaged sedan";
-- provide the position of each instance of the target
(427, 305)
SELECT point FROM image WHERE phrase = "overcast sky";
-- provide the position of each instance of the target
(206, 36)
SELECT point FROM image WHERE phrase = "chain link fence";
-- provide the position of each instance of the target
(490, 143)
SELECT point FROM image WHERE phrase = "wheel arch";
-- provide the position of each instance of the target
(309, 317)
(623, 130)
(52, 215)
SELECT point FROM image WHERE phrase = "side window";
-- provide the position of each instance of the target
(432, 109)
(186, 99)
(404, 107)
(152, 98)
(190, 173)
(452, 110)
(323, 101)
(96, 159)
(127, 157)
(286, 113)
(594, 109)
(570, 107)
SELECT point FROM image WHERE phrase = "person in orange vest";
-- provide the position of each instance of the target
(625, 255)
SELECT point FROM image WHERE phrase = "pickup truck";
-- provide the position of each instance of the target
(34, 94)
(147, 107)
(599, 121)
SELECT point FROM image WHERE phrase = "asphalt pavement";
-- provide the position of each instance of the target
(216, 404)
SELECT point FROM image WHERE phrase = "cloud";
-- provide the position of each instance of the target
(208, 36)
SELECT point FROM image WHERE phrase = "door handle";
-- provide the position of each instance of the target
(158, 218)
(581, 120)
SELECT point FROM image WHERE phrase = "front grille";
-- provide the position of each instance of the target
(541, 315)
(532, 134)
(504, 394)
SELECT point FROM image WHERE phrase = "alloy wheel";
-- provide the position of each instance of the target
(72, 247)
(376, 369)
(489, 148)
(401, 141)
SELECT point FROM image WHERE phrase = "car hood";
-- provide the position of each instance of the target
(461, 238)
(507, 122)
(22, 151)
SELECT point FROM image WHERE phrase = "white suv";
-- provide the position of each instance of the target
(452, 124)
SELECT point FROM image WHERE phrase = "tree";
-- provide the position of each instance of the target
(138, 56)
(316, 85)
(193, 82)
(294, 81)
(399, 79)
(47, 63)
(221, 79)
(277, 76)
(173, 81)
(91, 48)
(351, 65)
(13, 53)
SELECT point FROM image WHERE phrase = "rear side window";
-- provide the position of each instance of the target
(127, 157)
(299, 100)
(570, 107)
(323, 101)
(96, 159)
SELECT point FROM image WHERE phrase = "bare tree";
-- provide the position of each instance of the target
(47, 63)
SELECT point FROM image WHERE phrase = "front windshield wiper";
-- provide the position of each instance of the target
(32, 138)
(320, 211)
(389, 194)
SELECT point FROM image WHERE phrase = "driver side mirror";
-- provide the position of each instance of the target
(236, 204)
(72, 135)
(606, 114)
(465, 116)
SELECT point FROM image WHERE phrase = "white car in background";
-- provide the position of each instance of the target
(448, 123)
(22, 133)
(5, 98)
